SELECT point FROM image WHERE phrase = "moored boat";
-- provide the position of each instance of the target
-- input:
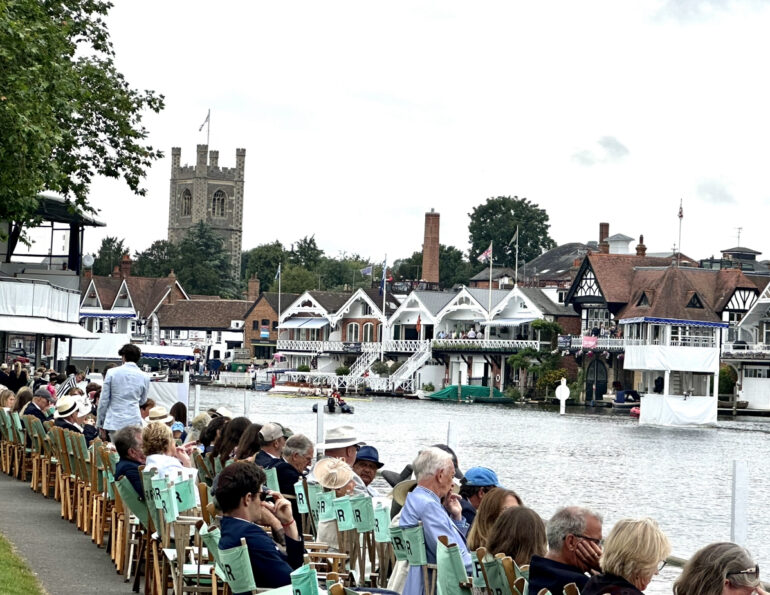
(469, 394)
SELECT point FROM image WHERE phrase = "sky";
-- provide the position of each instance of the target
(358, 117)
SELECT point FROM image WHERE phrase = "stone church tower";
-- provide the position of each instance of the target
(209, 193)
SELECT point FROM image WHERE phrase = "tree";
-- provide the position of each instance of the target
(496, 220)
(343, 272)
(295, 279)
(452, 267)
(262, 261)
(204, 264)
(66, 113)
(157, 261)
(306, 253)
(409, 268)
(110, 252)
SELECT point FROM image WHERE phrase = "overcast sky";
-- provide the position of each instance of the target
(358, 117)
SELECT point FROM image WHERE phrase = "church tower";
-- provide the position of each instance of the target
(209, 193)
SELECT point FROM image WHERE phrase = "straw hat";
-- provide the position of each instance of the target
(402, 489)
(333, 473)
(341, 437)
(66, 406)
(159, 414)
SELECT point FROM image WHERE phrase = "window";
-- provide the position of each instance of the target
(643, 301)
(255, 325)
(275, 325)
(695, 302)
(186, 203)
(368, 332)
(755, 372)
(218, 204)
(353, 331)
(265, 322)
(366, 310)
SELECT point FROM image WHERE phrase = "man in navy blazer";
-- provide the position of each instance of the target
(128, 443)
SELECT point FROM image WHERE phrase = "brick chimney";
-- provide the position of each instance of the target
(171, 299)
(88, 273)
(604, 233)
(125, 266)
(115, 272)
(641, 249)
(430, 247)
(252, 293)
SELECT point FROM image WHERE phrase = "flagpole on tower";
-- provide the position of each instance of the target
(679, 250)
(489, 294)
(207, 124)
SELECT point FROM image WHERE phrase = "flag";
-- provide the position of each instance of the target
(278, 272)
(368, 270)
(384, 276)
(515, 236)
(681, 212)
(487, 254)
(206, 121)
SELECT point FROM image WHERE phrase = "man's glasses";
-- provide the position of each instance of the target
(599, 542)
(662, 565)
(749, 572)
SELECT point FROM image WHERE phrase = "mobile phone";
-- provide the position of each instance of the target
(265, 494)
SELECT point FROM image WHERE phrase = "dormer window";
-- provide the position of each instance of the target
(695, 302)
(643, 301)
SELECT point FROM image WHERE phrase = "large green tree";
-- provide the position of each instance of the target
(203, 265)
(262, 261)
(453, 268)
(343, 272)
(296, 279)
(108, 257)
(496, 220)
(306, 253)
(66, 113)
(157, 261)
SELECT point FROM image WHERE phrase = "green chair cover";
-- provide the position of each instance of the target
(131, 499)
(363, 513)
(325, 507)
(234, 567)
(343, 513)
(210, 538)
(150, 496)
(304, 581)
(272, 480)
(414, 541)
(497, 581)
(302, 503)
(381, 524)
(185, 494)
(397, 539)
(451, 571)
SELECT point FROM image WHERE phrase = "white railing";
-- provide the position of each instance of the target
(409, 346)
(237, 379)
(752, 350)
(410, 366)
(362, 364)
(484, 344)
(683, 342)
(322, 346)
(606, 343)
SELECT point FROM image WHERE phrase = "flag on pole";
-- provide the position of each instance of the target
(487, 254)
(368, 270)
(681, 212)
(515, 236)
(278, 272)
(206, 121)
(384, 274)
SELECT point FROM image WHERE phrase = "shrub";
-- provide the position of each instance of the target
(342, 371)
(396, 366)
(380, 368)
(727, 379)
(428, 388)
(513, 393)
(550, 379)
(303, 368)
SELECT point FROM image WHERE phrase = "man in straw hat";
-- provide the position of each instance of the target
(341, 443)
(429, 503)
(125, 389)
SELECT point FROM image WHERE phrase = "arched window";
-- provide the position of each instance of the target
(218, 204)
(368, 332)
(353, 331)
(186, 203)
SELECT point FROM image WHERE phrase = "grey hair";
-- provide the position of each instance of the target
(430, 461)
(568, 520)
(125, 439)
(706, 571)
(297, 445)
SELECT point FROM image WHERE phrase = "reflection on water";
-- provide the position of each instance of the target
(603, 460)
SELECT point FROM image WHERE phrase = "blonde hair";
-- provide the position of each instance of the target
(489, 510)
(705, 573)
(634, 548)
(156, 439)
(6, 394)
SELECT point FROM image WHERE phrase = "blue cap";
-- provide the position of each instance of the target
(369, 453)
(480, 477)
(177, 426)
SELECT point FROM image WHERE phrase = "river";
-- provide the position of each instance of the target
(596, 458)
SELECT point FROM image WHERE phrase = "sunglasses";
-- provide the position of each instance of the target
(749, 572)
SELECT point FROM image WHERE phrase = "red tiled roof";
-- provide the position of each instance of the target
(200, 314)
(146, 292)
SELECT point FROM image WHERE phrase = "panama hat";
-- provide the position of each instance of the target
(333, 473)
(341, 437)
(66, 406)
(159, 414)
(223, 412)
(402, 489)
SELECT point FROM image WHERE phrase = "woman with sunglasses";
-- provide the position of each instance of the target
(720, 569)
(634, 552)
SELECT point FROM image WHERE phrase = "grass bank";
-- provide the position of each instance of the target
(15, 576)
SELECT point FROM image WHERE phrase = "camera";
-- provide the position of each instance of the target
(265, 494)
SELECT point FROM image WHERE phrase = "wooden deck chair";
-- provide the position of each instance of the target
(543, 592)
(101, 497)
(521, 585)
(497, 580)
(48, 460)
(35, 454)
(571, 589)
(234, 568)
(152, 551)
(23, 452)
(452, 578)
(203, 496)
(205, 472)
(193, 573)
(416, 555)
(118, 520)
(140, 510)
(83, 473)
(65, 474)
(5, 442)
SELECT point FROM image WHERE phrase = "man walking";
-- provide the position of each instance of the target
(125, 389)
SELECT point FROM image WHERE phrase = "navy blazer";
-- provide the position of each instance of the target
(32, 409)
(130, 469)
(265, 460)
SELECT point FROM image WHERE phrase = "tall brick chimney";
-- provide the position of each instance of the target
(604, 233)
(641, 249)
(252, 293)
(125, 266)
(430, 247)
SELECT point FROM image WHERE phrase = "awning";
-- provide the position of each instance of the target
(114, 313)
(167, 352)
(31, 325)
(507, 321)
(315, 322)
(675, 322)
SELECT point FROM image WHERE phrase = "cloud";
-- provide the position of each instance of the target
(698, 11)
(608, 150)
(714, 192)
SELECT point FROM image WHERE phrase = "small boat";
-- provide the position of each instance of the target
(333, 407)
(469, 394)
(635, 411)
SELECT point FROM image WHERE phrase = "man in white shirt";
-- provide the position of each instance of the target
(125, 389)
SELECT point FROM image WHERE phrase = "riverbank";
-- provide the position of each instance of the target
(15, 576)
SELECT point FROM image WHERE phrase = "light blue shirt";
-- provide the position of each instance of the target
(125, 388)
(424, 506)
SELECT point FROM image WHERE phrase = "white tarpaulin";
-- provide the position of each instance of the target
(676, 410)
(168, 393)
(106, 346)
(664, 357)
(31, 325)
(38, 299)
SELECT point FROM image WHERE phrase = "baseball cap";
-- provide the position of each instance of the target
(481, 476)
(177, 426)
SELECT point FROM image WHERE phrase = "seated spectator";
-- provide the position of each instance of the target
(162, 454)
(239, 494)
(41, 405)
(476, 483)
(494, 503)
(719, 569)
(159, 414)
(249, 445)
(429, 503)
(337, 476)
(197, 425)
(225, 446)
(23, 398)
(7, 399)
(634, 552)
(272, 439)
(177, 430)
(144, 410)
(71, 413)
(210, 434)
(518, 532)
(366, 466)
(73, 376)
(128, 443)
(574, 538)
(179, 413)
(221, 412)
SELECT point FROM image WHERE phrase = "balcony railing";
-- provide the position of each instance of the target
(741, 349)
(483, 344)
(605, 343)
(408, 346)
(681, 342)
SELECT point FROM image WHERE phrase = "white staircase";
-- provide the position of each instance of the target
(403, 377)
(363, 363)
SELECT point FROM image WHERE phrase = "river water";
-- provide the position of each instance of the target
(596, 458)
